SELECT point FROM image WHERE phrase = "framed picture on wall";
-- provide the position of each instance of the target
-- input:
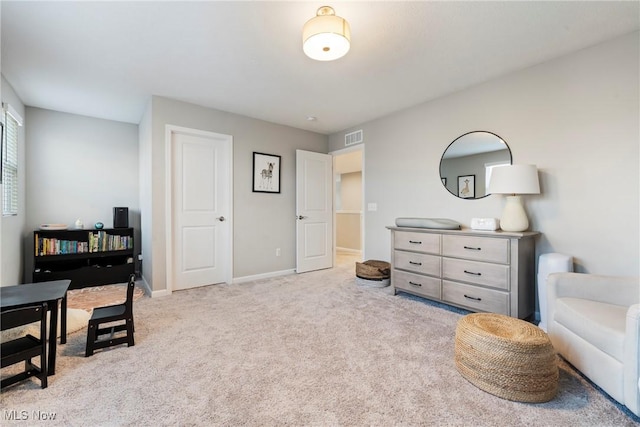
(266, 173)
(467, 186)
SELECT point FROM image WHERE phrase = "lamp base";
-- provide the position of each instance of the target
(514, 218)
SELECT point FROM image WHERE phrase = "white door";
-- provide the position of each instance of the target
(314, 218)
(200, 238)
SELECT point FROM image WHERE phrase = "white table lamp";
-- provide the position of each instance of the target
(514, 180)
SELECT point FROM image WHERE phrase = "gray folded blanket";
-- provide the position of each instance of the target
(438, 223)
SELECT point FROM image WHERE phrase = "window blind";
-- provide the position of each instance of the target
(10, 166)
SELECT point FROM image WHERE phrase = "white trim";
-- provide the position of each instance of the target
(357, 147)
(13, 113)
(169, 131)
(270, 275)
(168, 260)
(161, 293)
(348, 250)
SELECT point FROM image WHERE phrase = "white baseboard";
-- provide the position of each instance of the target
(160, 293)
(166, 292)
(263, 276)
(349, 250)
(148, 291)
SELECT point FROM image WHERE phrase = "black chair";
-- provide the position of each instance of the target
(112, 313)
(25, 348)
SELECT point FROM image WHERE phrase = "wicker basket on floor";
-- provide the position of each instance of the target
(507, 357)
(373, 270)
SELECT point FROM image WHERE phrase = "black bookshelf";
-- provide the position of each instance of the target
(86, 257)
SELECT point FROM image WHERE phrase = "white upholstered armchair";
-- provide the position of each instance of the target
(594, 323)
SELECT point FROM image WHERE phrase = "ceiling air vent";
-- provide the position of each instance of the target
(353, 138)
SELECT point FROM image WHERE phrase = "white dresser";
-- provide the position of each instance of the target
(491, 271)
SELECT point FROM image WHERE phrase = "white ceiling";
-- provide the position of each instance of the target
(105, 59)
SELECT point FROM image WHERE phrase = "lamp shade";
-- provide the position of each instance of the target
(514, 179)
(326, 37)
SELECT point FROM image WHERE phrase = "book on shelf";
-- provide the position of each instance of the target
(99, 241)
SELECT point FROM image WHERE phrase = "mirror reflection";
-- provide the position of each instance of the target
(465, 167)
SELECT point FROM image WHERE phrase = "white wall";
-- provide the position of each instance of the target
(12, 227)
(576, 118)
(351, 191)
(78, 168)
(262, 222)
(348, 218)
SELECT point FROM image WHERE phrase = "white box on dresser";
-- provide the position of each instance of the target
(492, 271)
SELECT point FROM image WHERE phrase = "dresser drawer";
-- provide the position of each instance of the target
(482, 273)
(421, 242)
(417, 262)
(415, 283)
(477, 299)
(476, 248)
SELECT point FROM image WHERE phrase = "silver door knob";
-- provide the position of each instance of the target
(220, 218)
(301, 217)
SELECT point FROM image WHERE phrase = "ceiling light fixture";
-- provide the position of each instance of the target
(326, 37)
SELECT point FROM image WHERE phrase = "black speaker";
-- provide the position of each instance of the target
(120, 217)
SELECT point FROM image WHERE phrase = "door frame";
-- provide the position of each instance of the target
(358, 147)
(170, 130)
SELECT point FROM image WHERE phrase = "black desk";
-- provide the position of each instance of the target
(37, 293)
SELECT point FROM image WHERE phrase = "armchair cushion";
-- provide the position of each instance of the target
(594, 323)
(608, 289)
(599, 323)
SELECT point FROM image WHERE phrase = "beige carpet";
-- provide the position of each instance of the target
(310, 349)
(80, 304)
(76, 319)
(97, 296)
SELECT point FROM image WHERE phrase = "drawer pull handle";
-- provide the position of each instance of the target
(471, 272)
(473, 298)
(415, 263)
(472, 248)
(415, 284)
(415, 242)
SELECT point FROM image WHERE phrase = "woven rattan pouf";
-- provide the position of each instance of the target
(507, 357)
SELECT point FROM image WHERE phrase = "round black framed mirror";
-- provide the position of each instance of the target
(465, 166)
